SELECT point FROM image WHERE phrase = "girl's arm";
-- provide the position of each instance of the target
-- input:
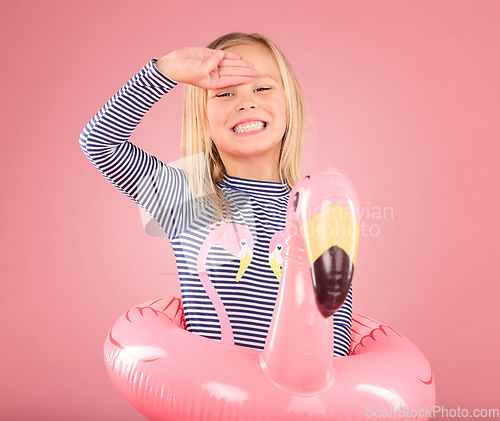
(155, 186)
(133, 171)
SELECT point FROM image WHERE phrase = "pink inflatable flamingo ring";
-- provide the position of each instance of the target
(168, 373)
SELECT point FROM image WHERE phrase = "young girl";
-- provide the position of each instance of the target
(224, 211)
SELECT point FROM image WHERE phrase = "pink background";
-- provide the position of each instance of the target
(403, 96)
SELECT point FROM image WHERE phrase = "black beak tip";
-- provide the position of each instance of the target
(332, 274)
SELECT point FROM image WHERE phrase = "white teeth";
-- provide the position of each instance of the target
(249, 127)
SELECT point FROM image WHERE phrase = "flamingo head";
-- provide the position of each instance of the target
(275, 252)
(237, 240)
(322, 218)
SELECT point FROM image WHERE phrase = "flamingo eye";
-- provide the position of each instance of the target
(295, 201)
(243, 242)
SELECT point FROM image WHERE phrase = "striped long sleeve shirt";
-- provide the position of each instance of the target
(163, 192)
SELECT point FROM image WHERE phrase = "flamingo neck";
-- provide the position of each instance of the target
(226, 330)
(299, 348)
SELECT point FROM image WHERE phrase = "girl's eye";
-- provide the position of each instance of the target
(229, 94)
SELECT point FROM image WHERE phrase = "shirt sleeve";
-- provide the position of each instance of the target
(159, 189)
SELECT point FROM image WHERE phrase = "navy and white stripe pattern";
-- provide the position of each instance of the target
(249, 302)
(163, 192)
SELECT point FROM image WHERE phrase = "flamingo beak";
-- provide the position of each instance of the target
(244, 262)
(331, 239)
(276, 267)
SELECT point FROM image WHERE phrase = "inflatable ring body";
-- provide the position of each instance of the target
(168, 373)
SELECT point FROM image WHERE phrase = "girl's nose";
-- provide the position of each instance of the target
(246, 103)
(242, 107)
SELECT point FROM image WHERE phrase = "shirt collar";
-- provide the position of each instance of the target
(255, 187)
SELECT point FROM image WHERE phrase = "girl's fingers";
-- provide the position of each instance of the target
(212, 62)
(236, 71)
(229, 55)
(235, 63)
(232, 80)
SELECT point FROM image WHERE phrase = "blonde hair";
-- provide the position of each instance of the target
(201, 160)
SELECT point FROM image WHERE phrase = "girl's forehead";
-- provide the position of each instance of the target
(260, 56)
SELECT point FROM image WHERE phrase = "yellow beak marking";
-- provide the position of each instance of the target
(244, 262)
(332, 226)
(276, 267)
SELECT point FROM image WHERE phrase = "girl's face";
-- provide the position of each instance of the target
(249, 120)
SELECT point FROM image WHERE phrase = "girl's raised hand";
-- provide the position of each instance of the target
(206, 68)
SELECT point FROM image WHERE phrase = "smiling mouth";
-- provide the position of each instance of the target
(251, 126)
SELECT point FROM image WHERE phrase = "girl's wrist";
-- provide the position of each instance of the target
(164, 65)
